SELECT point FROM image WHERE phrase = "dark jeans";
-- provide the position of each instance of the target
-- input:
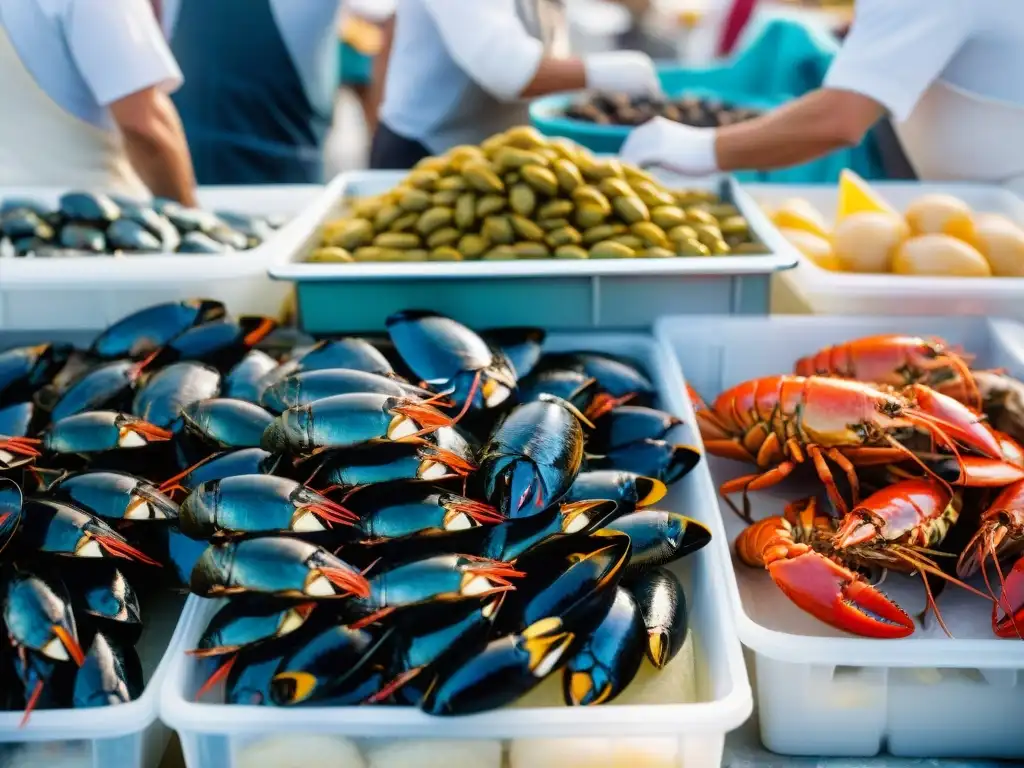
(391, 152)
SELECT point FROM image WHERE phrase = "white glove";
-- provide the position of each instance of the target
(629, 72)
(681, 148)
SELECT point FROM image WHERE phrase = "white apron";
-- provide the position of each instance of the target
(956, 135)
(42, 145)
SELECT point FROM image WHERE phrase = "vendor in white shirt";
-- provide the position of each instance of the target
(84, 87)
(950, 74)
(462, 70)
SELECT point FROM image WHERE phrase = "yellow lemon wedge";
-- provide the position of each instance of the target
(857, 196)
(941, 215)
(797, 213)
(817, 249)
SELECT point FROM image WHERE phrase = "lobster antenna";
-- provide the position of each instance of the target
(928, 470)
(922, 563)
(960, 366)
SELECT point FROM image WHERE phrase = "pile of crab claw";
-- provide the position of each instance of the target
(432, 518)
(913, 450)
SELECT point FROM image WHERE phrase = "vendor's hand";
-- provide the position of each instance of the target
(677, 147)
(629, 72)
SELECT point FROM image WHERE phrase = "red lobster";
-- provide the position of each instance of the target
(780, 422)
(808, 556)
(898, 360)
(1001, 538)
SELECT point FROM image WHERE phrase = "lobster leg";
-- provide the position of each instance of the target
(755, 482)
(1008, 612)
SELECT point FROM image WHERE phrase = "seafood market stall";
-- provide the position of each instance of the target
(89, 259)
(530, 231)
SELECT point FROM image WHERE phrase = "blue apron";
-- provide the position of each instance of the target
(245, 125)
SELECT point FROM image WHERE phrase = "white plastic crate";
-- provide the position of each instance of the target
(125, 736)
(821, 691)
(94, 291)
(662, 732)
(846, 293)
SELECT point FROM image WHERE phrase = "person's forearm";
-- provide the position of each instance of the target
(380, 73)
(798, 132)
(554, 75)
(159, 154)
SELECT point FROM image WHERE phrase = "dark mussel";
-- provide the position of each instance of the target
(621, 380)
(511, 539)
(350, 352)
(181, 553)
(17, 452)
(259, 504)
(572, 386)
(248, 623)
(532, 458)
(15, 204)
(82, 237)
(222, 423)
(105, 599)
(221, 343)
(244, 381)
(629, 489)
(420, 649)
(503, 671)
(449, 356)
(145, 331)
(569, 576)
(520, 346)
(10, 508)
(114, 496)
(25, 369)
(43, 682)
(184, 218)
(200, 242)
(308, 386)
(431, 583)
(89, 207)
(659, 538)
(19, 225)
(274, 565)
(216, 466)
(447, 455)
(16, 420)
(133, 237)
(24, 246)
(336, 667)
(100, 431)
(110, 674)
(416, 509)
(345, 421)
(227, 236)
(609, 658)
(60, 529)
(106, 387)
(38, 617)
(629, 424)
(161, 399)
(255, 229)
(662, 603)
(248, 678)
(155, 224)
(665, 461)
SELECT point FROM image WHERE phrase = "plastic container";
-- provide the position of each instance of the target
(552, 293)
(846, 293)
(821, 691)
(690, 734)
(93, 291)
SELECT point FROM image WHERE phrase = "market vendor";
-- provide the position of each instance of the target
(260, 82)
(462, 70)
(84, 87)
(947, 72)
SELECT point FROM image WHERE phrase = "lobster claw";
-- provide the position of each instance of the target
(838, 596)
(956, 421)
(1008, 611)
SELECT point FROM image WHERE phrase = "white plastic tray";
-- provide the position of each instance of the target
(125, 736)
(844, 293)
(690, 734)
(93, 291)
(555, 293)
(821, 691)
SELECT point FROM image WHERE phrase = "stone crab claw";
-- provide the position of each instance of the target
(839, 597)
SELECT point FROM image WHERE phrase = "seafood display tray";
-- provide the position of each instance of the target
(626, 294)
(93, 291)
(820, 691)
(690, 734)
(826, 292)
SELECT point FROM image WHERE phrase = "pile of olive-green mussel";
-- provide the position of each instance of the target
(521, 195)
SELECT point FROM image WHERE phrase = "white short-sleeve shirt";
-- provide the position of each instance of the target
(897, 48)
(86, 54)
